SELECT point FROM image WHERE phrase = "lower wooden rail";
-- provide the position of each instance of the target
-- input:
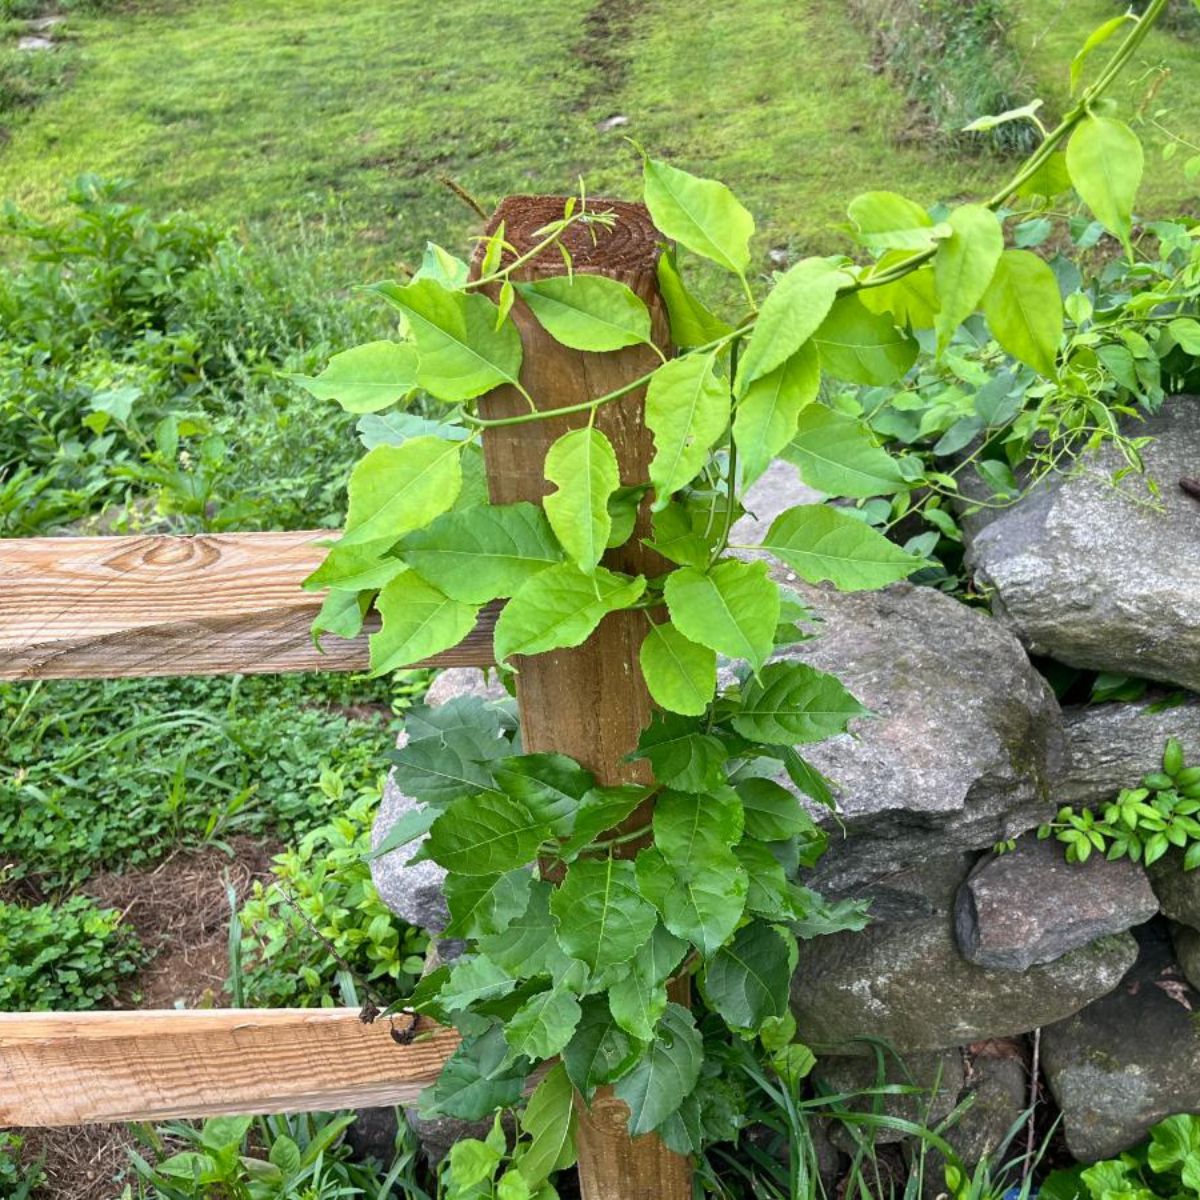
(84, 1068)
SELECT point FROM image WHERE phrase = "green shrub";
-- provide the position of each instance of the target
(74, 955)
(322, 914)
(953, 60)
(1180, 16)
(115, 773)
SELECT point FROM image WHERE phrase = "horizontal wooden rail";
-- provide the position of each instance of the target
(210, 604)
(84, 1068)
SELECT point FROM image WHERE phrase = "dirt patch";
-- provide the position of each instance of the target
(608, 29)
(81, 1162)
(180, 910)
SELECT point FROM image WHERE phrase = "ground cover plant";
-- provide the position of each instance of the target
(579, 969)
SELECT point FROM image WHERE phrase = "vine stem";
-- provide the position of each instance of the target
(732, 466)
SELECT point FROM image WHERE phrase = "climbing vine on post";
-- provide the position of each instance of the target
(580, 898)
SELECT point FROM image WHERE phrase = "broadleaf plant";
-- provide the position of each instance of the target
(577, 907)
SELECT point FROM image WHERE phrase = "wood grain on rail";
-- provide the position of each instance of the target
(83, 1068)
(209, 604)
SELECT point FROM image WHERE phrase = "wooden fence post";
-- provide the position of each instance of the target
(589, 702)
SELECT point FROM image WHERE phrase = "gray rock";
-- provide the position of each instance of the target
(1178, 891)
(1186, 941)
(778, 488)
(1095, 579)
(1031, 906)
(35, 42)
(414, 892)
(1128, 1060)
(905, 982)
(963, 743)
(998, 1088)
(937, 1076)
(1111, 746)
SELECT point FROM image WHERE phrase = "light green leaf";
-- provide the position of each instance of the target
(472, 980)
(733, 608)
(418, 622)
(790, 315)
(837, 455)
(561, 606)
(703, 909)
(352, 569)
(701, 214)
(1024, 310)
(988, 123)
(462, 353)
(396, 489)
(860, 346)
(543, 1025)
(602, 916)
(766, 414)
(819, 543)
(483, 904)
(1104, 157)
(549, 1122)
(747, 981)
(588, 312)
(964, 265)
(397, 427)
(691, 322)
(480, 553)
(687, 408)
(1186, 333)
(600, 1051)
(583, 467)
(887, 221)
(446, 268)
(771, 813)
(366, 378)
(680, 675)
(666, 1074)
(341, 614)
(677, 539)
(486, 834)
(792, 703)
(911, 299)
(1095, 39)
(640, 998)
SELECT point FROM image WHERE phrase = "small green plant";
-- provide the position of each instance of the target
(70, 956)
(322, 914)
(17, 1178)
(1143, 823)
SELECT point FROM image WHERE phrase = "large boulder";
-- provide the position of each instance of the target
(1099, 579)
(1111, 746)
(1128, 1060)
(904, 981)
(1178, 891)
(963, 741)
(1031, 906)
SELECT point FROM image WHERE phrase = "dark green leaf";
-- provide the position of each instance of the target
(665, 1075)
(793, 702)
(747, 981)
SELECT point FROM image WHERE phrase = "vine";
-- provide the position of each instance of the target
(574, 922)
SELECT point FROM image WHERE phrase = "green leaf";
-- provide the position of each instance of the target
(600, 1050)
(676, 538)
(680, 675)
(769, 892)
(549, 1122)
(640, 998)
(1104, 157)
(694, 833)
(732, 609)
(772, 813)
(396, 489)
(964, 265)
(887, 221)
(527, 946)
(766, 415)
(396, 428)
(601, 809)
(352, 569)
(1186, 333)
(483, 552)
(691, 322)
(543, 1025)
(366, 378)
(477, 1079)
(446, 268)
(860, 346)
(462, 353)
(792, 312)
(1096, 38)
(682, 757)
(583, 467)
(747, 981)
(687, 409)
(665, 1075)
(701, 214)
(911, 299)
(837, 455)
(561, 606)
(472, 980)
(1024, 310)
(486, 834)
(551, 786)
(484, 904)
(703, 909)
(441, 772)
(341, 614)
(602, 916)
(793, 702)
(819, 543)
(418, 622)
(588, 312)
(407, 829)
(285, 1154)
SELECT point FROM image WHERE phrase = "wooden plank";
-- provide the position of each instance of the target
(209, 604)
(84, 1068)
